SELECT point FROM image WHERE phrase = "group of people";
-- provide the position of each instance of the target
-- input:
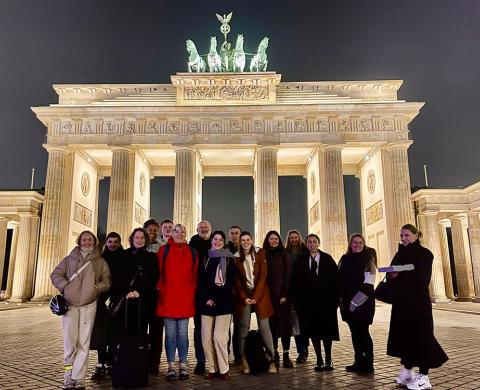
(293, 289)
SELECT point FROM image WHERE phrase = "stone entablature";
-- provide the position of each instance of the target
(13, 203)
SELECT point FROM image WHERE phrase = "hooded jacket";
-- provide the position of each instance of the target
(93, 280)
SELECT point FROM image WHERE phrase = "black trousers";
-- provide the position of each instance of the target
(362, 341)
(327, 346)
(156, 341)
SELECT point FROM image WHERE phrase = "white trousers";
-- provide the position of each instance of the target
(215, 340)
(77, 330)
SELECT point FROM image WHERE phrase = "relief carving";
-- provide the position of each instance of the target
(279, 127)
(364, 125)
(374, 213)
(235, 126)
(85, 183)
(88, 127)
(343, 125)
(82, 215)
(67, 128)
(140, 214)
(194, 127)
(314, 214)
(108, 127)
(215, 128)
(322, 125)
(172, 127)
(226, 92)
(151, 127)
(129, 127)
(258, 126)
(299, 126)
(387, 124)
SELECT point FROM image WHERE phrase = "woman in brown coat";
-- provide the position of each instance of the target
(252, 294)
(279, 264)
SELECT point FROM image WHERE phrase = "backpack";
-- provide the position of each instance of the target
(255, 353)
(167, 249)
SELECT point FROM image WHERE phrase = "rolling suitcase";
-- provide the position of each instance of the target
(130, 366)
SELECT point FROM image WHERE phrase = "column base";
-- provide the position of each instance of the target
(41, 299)
(17, 300)
(441, 300)
(460, 299)
(476, 299)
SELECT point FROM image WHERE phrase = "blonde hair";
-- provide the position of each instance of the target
(289, 246)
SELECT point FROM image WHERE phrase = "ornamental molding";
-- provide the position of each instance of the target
(82, 214)
(227, 125)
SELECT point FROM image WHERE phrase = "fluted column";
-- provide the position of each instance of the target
(52, 233)
(267, 212)
(332, 200)
(25, 258)
(428, 225)
(184, 203)
(474, 234)
(3, 244)
(400, 181)
(463, 262)
(11, 261)
(447, 269)
(120, 199)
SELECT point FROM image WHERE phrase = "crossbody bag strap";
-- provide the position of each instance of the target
(79, 270)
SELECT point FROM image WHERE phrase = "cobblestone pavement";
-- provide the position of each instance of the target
(31, 357)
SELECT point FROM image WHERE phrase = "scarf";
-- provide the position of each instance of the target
(221, 273)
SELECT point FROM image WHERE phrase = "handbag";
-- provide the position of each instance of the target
(58, 304)
(384, 291)
(114, 306)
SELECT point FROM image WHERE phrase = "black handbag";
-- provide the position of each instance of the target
(58, 305)
(384, 291)
(114, 306)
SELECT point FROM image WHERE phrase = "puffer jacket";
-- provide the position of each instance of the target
(93, 280)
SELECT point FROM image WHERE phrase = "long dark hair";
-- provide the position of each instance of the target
(266, 245)
(301, 246)
(252, 248)
(139, 229)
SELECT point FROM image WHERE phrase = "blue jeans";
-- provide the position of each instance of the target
(176, 337)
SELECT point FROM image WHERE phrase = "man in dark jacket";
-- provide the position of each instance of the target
(201, 243)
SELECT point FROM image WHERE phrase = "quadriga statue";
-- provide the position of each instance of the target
(213, 58)
(195, 62)
(259, 61)
(239, 55)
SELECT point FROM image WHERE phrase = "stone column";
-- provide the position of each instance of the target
(3, 245)
(52, 235)
(428, 225)
(25, 259)
(474, 234)
(463, 262)
(184, 203)
(447, 270)
(11, 261)
(120, 198)
(267, 212)
(332, 201)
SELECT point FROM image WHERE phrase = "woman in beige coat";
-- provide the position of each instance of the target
(80, 277)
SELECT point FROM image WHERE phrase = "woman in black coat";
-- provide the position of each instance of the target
(315, 292)
(411, 335)
(279, 265)
(104, 336)
(140, 266)
(357, 276)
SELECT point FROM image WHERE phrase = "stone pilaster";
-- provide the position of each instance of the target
(11, 261)
(428, 225)
(184, 203)
(3, 244)
(447, 269)
(463, 262)
(474, 234)
(52, 235)
(267, 209)
(120, 199)
(25, 259)
(332, 200)
(400, 182)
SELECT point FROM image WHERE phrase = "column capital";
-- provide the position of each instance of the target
(271, 147)
(56, 148)
(190, 148)
(3, 219)
(398, 145)
(128, 149)
(325, 147)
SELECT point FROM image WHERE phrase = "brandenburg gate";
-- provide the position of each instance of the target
(225, 124)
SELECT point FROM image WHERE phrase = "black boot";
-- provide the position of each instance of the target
(199, 368)
(99, 372)
(287, 363)
(366, 366)
(356, 366)
(276, 359)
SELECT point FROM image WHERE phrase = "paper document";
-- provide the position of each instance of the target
(397, 268)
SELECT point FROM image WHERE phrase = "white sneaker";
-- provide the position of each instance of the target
(405, 376)
(420, 382)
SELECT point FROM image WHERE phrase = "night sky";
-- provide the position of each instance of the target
(434, 46)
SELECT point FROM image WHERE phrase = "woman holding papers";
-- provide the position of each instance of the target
(411, 335)
(357, 276)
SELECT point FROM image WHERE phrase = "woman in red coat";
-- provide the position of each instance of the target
(178, 264)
